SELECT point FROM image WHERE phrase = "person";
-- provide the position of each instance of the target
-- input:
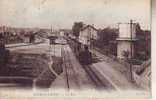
(85, 56)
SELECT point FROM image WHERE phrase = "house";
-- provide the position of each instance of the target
(88, 34)
(29, 37)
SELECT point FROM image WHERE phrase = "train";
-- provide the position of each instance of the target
(80, 50)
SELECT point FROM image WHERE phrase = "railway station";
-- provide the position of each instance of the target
(75, 49)
(61, 61)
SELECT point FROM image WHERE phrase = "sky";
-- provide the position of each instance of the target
(63, 13)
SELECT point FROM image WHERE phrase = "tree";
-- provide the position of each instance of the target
(76, 28)
(107, 40)
(126, 54)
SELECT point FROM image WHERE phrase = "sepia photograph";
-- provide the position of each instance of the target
(98, 48)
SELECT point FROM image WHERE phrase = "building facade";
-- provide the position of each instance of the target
(88, 34)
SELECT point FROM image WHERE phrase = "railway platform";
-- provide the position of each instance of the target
(115, 74)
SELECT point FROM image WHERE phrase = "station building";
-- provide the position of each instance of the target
(88, 34)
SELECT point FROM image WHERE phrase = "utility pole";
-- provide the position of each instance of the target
(90, 40)
(131, 54)
(52, 38)
(129, 50)
(53, 34)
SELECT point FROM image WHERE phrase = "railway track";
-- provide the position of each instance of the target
(65, 68)
(94, 77)
(71, 77)
(67, 74)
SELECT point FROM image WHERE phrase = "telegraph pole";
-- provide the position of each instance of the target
(131, 52)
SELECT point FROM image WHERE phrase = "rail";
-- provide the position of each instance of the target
(94, 77)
